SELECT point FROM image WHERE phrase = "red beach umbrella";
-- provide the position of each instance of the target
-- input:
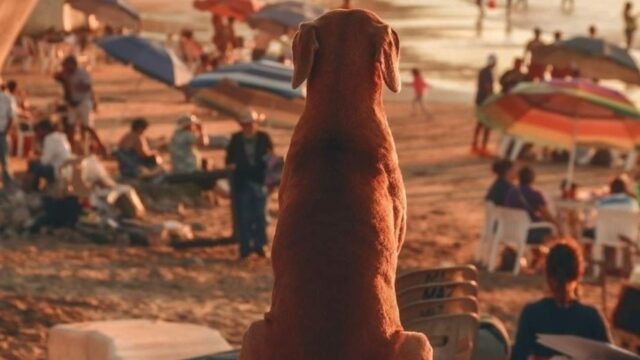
(238, 9)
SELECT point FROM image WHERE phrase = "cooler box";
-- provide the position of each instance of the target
(133, 340)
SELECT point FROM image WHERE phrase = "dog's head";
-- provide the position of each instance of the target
(350, 39)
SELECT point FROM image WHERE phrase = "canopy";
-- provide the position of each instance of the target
(238, 9)
(13, 15)
(149, 58)
(279, 17)
(264, 75)
(595, 59)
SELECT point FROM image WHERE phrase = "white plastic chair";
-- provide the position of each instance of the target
(436, 275)
(429, 308)
(452, 337)
(513, 228)
(610, 225)
(483, 249)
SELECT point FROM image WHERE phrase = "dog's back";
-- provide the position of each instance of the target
(342, 201)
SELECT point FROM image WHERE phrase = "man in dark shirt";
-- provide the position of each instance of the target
(247, 157)
(485, 89)
(561, 314)
(513, 76)
(526, 197)
(498, 191)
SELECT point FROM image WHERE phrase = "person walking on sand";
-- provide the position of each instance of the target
(420, 86)
(630, 24)
(485, 89)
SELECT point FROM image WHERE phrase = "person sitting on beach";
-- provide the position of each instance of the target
(135, 157)
(498, 191)
(562, 313)
(189, 135)
(524, 196)
(619, 199)
(419, 87)
(56, 151)
(513, 76)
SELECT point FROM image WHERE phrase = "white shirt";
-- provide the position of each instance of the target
(6, 111)
(622, 202)
(56, 150)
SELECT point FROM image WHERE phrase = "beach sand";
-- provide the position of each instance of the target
(45, 280)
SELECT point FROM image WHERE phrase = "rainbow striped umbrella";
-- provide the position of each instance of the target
(565, 114)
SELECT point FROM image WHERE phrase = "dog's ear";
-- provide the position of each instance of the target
(389, 56)
(305, 45)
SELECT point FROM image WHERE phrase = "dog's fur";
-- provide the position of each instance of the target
(342, 205)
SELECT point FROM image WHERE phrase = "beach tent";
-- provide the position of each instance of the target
(53, 14)
(13, 15)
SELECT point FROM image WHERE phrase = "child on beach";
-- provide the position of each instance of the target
(419, 87)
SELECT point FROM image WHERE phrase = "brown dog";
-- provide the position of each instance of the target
(342, 205)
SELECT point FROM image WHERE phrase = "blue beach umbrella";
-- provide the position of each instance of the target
(264, 75)
(149, 58)
(113, 12)
(279, 17)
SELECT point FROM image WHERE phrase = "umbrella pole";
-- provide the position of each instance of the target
(572, 166)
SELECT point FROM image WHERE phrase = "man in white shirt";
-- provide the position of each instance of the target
(56, 151)
(618, 198)
(6, 121)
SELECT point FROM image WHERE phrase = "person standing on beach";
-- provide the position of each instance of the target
(247, 159)
(513, 76)
(79, 96)
(485, 90)
(6, 121)
(419, 87)
(536, 69)
(630, 24)
(593, 32)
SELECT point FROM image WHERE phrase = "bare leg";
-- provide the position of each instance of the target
(254, 342)
(485, 137)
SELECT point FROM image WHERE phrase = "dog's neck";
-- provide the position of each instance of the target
(342, 92)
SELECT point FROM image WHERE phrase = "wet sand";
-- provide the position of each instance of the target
(46, 280)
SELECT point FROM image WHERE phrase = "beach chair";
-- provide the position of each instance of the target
(436, 275)
(483, 249)
(513, 227)
(428, 308)
(610, 226)
(452, 337)
(437, 291)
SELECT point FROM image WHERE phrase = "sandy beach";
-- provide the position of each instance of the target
(46, 280)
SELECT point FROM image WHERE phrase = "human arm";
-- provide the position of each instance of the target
(202, 138)
(230, 158)
(141, 146)
(599, 328)
(10, 118)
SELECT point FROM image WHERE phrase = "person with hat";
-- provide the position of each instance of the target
(246, 156)
(188, 136)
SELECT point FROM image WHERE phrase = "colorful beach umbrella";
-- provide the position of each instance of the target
(149, 58)
(239, 9)
(595, 58)
(278, 18)
(112, 12)
(264, 75)
(565, 114)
